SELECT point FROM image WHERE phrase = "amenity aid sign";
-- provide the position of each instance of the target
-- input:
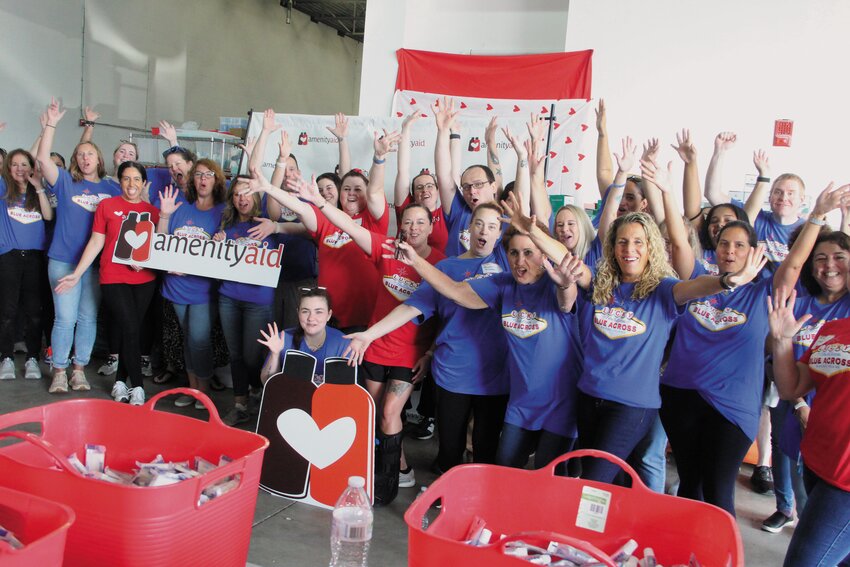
(139, 245)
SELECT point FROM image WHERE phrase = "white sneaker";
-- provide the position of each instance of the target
(78, 381)
(32, 370)
(137, 396)
(406, 480)
(184, 401)
(7, 369)
(59, 385)
(199, 405)
(109, 367)
(146, 366)
(120, 392)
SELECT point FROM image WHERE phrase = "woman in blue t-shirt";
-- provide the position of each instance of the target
(192, 296)
(79, 190)
(23, 209)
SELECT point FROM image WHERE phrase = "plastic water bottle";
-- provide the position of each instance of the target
(351, 530)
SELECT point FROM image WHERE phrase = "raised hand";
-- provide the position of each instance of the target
(536, 127)
(42, 119)
(444, 113)
(684, 146)
(54, 112)
(284, 146)
(658, 176)
(752, 267)
(601, 120)
(407, 254)
(519, 148)
(514, 215)
(408, 121)
(831, 199)
(90, 115)
(626, 160)
(167, 131)
(535, 159)
(650, 150)
(358, 343)
(386, 143)
(567, 272)
(780, 309)
(273, 340)
(219, 236)
(340, 129)
(307, 190)
(248, 146)
(270, 123)
(168, 200)
(490, 133)
(762, 163)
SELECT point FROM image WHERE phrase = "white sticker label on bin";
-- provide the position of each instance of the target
(593, 509)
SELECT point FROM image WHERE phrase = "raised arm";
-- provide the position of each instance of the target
(604, 166)
(682, 255)
(281, 163)
(456, 151)
(259, 184)
(167, 205)
(792, 378)
(714, 192)
(48, 168)
(756, 198)
(692, 195)
(402, 314)
(625, 162)
(403, 176)
(521, 181)
(703, 286)
(566, 275)
(89, 118)
(493, 161)
(459, 292)
(310, 193)
(274, 341)
(444, 115)
(270, 124)
(43, 202)
(652, 194)
(37, 142)
(169, 132)
(539, 202)
(789, 270)
(340, 130)
(376, 199)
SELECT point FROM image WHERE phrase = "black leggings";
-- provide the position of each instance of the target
(708, 448)
(126, 305)
(453, 411)
(20, 293)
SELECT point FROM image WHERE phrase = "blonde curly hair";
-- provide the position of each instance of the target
(608, 271)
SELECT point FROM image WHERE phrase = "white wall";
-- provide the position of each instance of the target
(477, 27)
(725, 65)
(164, 59)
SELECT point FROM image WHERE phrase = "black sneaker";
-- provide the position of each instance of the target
(762, 481)
(776, 522)
(423, 430)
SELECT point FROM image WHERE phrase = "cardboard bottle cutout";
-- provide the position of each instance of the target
(123, 249)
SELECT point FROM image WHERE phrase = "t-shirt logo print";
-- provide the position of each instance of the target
(523, 324)
(617, 323)
(134, 238)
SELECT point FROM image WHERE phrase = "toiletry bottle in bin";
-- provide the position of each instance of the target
(351, 527)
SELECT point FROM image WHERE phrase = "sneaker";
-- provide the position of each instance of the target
(59, 385)
(239, 414)
(47, 357)
(423, 430)
(776, 522)
(406, 479)
(78, 381)
(7, 369)
(762, 481)
(147, 370)
(184, 401)
(120, 392)
(110, 367)
(137, 396)
(199, 405)
(31, 369)
(21, 347)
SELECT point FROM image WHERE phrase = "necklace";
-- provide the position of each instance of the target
(318, 346)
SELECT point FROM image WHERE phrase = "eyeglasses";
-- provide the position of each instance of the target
(306, 290)
(207, 174)
(474, 185)
(425, 187)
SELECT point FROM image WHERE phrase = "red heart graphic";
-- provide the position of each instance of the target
(489, 106)
(572, 111)
(516, 108)
(578, 186)
(565, 169)
(399, 114)
(552, 154)
(549, 183)
(412, 101)
(423, 115)
(580, 157)
(557, 125)
(462, 104)
(568, 140)
(583, 127)
(437, 102)
(544, 110)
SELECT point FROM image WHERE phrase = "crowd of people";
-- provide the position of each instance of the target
(652, 322)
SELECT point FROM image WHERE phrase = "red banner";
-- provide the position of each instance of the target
(552, 76)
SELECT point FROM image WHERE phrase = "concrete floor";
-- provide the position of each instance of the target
(288, 533)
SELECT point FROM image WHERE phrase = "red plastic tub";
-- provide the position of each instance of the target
(121, 525)
(41, 525)
(538, 507)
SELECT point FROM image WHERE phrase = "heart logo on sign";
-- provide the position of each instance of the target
(322, 447)
(135, 240)
(399, 114)
(552, 154)
(557, 125)
(516, 108)
(549, 183)
(572, 111)
(462, 104)
(412, 102)
(489, 106)
(544, 110)
(581, 157)
(564, 169)
(578, 186)
(568, 140)
(583, 127)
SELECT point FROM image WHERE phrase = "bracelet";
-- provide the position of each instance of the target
(322, 207)
(164, 217)
(40, 191)
(454, 136)
(724, 282)
(816, 221)
(378, 161)
(799, 405)
(87, 123)
(50, 126)
(761, 179)
(562, 288)
(616, 186)
(280, 163)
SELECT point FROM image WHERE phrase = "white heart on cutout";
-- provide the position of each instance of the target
(322, 447)
(135, 240)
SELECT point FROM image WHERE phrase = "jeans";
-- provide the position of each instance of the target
(20, 275)
(822, 537)
(516, 444)
(649, 458)
(77, 306)
(196, 322)
(453, 411)
(612, 427)
(708, 448)
(780, 463)
(241, 322)
(126, 305)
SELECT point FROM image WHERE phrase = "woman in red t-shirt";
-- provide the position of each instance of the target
(127, 289)
(823, 535)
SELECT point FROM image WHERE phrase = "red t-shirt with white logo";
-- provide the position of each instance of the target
(108, 217)
(407, 344)
(345, 270)
(439, 234)
(826, 441)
